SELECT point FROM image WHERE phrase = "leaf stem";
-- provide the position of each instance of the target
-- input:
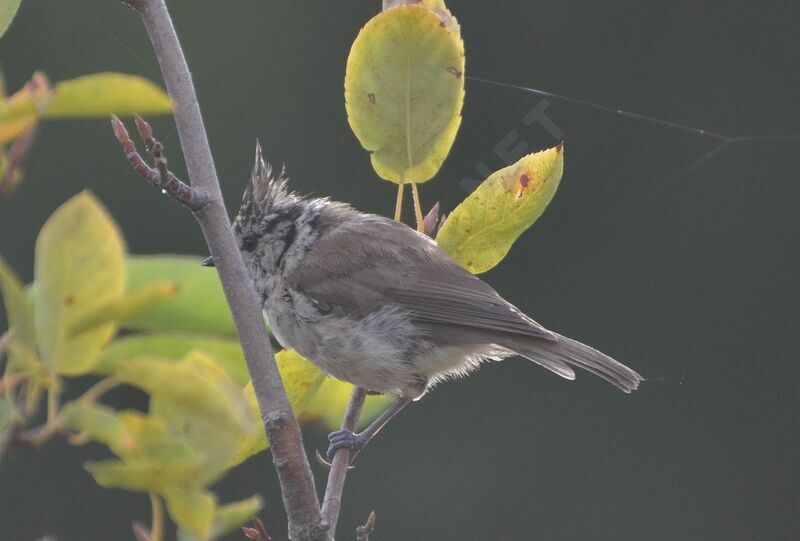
(157, 521)
(53, 399)
(9, 380)
(100, 388)
(418, 208)
(398, 206)
(32, 395)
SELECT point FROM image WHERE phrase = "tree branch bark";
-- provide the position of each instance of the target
(297, 483)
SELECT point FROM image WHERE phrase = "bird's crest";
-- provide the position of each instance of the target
(265, 189)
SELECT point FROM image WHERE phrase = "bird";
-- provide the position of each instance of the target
(373, 302)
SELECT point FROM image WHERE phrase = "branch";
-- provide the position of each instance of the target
(161, 177)
(258, 532)
(363, 532)
(341, 461)
(288, 454)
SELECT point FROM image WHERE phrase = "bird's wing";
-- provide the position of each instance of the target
(360, 267)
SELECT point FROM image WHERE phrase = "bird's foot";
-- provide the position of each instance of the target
(345, 439)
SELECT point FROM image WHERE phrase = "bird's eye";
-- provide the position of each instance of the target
(249, 243)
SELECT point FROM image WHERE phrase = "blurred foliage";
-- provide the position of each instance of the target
(179, 347)
(79, 269)
(199, 305)
(90, 96)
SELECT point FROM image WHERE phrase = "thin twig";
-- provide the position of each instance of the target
(332, 502)
(258, 532)
(140, 531)
(5, 338)
(14, 158)
(363, 532)
(291, 464)
(160, 177)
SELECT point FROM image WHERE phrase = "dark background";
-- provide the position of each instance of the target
(687, 273)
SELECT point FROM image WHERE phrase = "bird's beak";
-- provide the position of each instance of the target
(208, 262)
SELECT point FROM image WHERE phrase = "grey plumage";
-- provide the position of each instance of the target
(373, 302)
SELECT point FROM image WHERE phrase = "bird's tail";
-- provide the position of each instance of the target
(560, 355)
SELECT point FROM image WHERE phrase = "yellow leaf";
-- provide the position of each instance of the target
(79, 268)
(480, 231)
(18, 307)
(404, 90)
(199, 305)
(24, 360)
(8, 8)
(301, 380)
(102, 94)
(199, 403)
(125, 307)
(196, 388)
(227, 352)
(192, 510)
(230, 516)
(11, 129)
(100, 423)
(138, 475)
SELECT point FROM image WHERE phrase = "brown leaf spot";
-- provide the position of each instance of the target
(371, 97)
(524, 185)
(69, 300)
(560, 147)
(455, 72)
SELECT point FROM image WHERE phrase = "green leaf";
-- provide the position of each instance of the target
(79, 268)
(8, 8)
(103, 94)
(198, 402)
(300, 378)
(404, 90)
(152, 457)
(24, 360)
(192, 510)
(234, 515)
(226, 352)
(194, 388)
(6, 423)
(100, 423)
(199, 306)
(125, 307)
(330, 402)
(480, 231)
(138, 475)
(18, 307)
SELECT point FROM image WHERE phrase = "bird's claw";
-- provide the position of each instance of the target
(345, 439)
